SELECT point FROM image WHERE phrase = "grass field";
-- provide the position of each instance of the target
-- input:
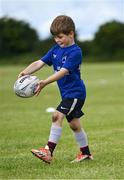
(24, 125)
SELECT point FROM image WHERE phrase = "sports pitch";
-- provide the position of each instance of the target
(24, 125)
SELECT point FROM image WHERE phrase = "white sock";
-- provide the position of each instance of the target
(55, 133)
(81, 138)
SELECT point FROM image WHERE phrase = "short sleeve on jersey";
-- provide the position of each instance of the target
(73, 61)
(47, 58)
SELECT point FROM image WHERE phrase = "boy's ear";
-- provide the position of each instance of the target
(71, 33)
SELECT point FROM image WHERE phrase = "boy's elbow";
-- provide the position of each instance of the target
(65, 71)
(39, 64)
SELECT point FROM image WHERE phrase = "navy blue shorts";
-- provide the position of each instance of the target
(71, 108)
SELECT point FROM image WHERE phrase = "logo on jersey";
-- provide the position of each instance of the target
(54, 56)
(64, 59)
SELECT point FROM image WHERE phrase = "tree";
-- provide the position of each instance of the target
(109, 40)
(16, 36)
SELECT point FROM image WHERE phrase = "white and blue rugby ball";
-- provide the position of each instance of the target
(25, 86)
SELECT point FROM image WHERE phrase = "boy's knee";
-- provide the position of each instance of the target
(74, 128)
(75, 125)
(55, 117)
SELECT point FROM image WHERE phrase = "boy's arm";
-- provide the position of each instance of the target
(33, 67)
(58, 75)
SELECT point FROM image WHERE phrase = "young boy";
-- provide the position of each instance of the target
(66, 58)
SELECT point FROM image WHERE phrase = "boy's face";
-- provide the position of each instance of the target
(64, 40)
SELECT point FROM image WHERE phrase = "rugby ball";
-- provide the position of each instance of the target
(25, 86)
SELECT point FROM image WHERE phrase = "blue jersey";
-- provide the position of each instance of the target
(70, 58)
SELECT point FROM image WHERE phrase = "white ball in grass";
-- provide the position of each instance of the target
(50, 110)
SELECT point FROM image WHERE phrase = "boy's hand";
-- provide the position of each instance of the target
(21, 74)
(40, 86)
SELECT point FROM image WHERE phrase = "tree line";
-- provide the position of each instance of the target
(18, 37)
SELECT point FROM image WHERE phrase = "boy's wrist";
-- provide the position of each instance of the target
(45, 81)
(21, 74)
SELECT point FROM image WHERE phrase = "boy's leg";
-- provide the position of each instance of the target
(81, 139)
(56, 130)
(46, 153)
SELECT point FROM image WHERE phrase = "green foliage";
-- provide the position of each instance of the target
(18, 40)
(24, 125)
(45, 45)
(86, 47)
(109, 40)
(16, 36)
